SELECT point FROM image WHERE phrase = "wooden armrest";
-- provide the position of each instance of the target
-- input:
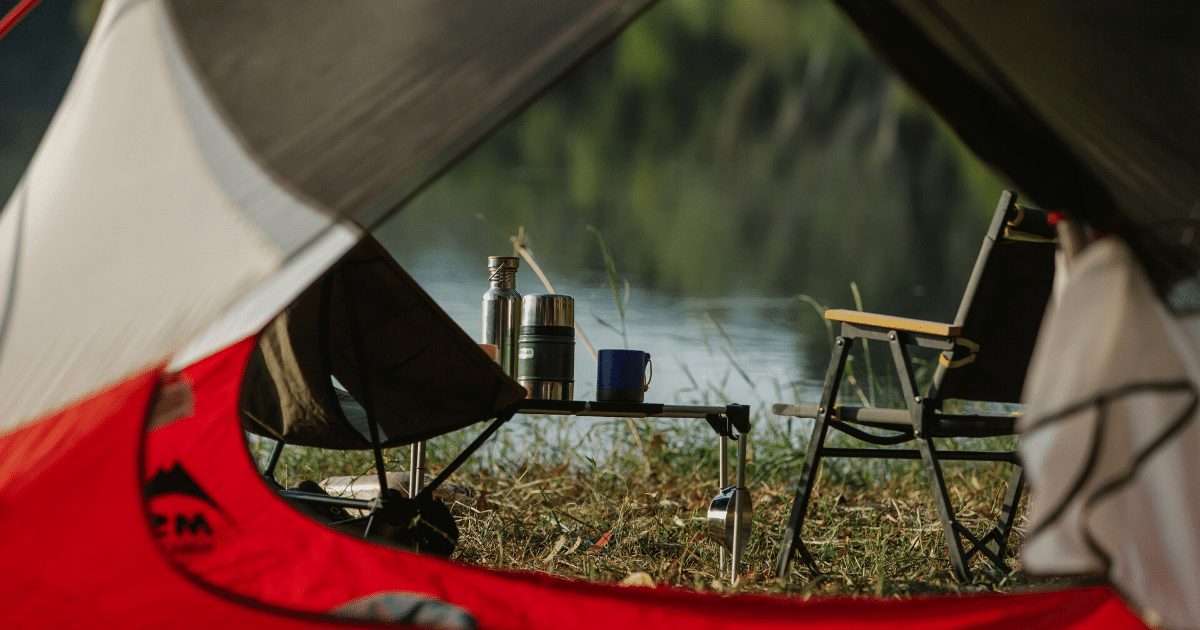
(892, 323)
(797, 410)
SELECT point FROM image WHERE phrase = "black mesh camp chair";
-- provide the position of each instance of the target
(985, 353)
(409, 373)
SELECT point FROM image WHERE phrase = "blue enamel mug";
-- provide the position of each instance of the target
(623, 375)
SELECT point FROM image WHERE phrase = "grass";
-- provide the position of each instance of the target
(581, 504)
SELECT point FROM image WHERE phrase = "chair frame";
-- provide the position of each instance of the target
(920, 421)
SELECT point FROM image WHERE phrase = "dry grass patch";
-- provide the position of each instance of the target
(873, 529)
(878, 539)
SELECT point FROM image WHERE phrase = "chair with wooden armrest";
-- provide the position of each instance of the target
(985, 354)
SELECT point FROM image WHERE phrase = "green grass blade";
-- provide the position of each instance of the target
(871, 383)
(610, 268)
(820, 313)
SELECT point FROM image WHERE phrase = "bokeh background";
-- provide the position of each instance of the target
(733, 155)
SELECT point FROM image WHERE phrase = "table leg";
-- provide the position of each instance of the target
(738, 494)
(420, 466)
(416, 468)
(722, 483)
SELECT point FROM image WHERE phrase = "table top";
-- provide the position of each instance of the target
(738, 415)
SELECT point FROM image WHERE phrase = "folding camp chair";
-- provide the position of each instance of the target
(407, 373)
(985, 353)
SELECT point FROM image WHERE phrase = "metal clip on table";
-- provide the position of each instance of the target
(723, 421)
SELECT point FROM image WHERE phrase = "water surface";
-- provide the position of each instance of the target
(737, 349)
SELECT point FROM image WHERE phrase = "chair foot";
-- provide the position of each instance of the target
(785, 559)
(808, 559)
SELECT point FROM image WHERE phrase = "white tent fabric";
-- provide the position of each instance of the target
(106, 264)
(1111, 440)
(253, 312)
(204, 147)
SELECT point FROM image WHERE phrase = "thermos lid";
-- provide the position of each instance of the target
(547, 309)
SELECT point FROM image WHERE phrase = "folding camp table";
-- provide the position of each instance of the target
(723, 421)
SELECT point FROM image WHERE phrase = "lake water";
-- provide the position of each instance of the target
(738, 349)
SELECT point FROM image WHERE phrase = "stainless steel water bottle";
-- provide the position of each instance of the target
(546, 346)
(502, 311)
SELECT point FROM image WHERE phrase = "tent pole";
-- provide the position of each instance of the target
(20, 11)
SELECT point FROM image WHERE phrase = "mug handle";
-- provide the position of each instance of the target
(650, 377)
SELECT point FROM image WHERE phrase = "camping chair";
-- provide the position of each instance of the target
(985, 353)
(405, 372)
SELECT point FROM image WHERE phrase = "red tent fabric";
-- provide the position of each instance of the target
(82, 546)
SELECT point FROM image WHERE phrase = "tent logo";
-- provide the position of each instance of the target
(183, 517)
(196, 525)
(178, 481)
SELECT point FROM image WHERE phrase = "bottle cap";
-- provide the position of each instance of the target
(503, 261)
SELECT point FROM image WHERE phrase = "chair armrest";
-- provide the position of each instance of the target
(888, 322)
(800, 410)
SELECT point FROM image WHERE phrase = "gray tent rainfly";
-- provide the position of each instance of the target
(357, 105)
(1089, 107)
(1092, 108)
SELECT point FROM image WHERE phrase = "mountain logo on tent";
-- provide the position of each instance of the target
(184, 519)
(176, 481)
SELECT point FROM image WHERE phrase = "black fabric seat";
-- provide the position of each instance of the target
(985, 354)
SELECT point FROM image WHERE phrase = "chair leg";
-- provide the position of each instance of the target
(950, 525)
(933, 470)
(790, 542)
(1008, 514)
(272, 462)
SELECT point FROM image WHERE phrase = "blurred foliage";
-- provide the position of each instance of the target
(721, 148)
(84, 14)
(726, 148)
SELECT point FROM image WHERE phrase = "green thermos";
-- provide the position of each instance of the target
(546, 346)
